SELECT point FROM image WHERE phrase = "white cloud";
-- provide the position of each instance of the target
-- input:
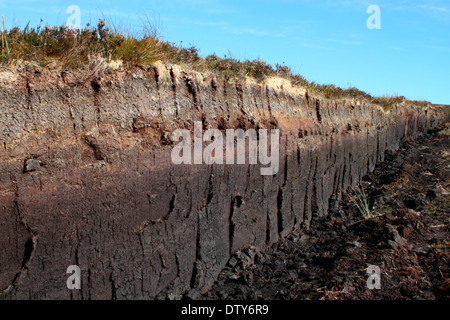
(434, 8)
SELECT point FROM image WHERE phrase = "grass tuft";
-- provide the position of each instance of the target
(360, 199)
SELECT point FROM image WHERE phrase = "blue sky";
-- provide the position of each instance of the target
(326, 41)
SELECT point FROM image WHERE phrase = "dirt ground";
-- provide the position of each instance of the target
(408, 239)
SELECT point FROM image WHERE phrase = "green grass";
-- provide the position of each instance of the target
(66, 49)
(387, 210)
(441, 207)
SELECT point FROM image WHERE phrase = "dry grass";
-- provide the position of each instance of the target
(360, 199)
(73, 49)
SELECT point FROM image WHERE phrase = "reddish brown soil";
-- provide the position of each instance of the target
(409, 241)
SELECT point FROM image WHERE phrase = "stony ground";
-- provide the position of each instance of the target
(408, 239)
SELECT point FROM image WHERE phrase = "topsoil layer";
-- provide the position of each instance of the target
(408, 239)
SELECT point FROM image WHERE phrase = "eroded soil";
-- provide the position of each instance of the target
(408, 239)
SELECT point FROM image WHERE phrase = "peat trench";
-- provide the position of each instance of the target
(408, 240)
(87, 179)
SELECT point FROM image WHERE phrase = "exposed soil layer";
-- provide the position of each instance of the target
(408, 241)
(87, 177)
